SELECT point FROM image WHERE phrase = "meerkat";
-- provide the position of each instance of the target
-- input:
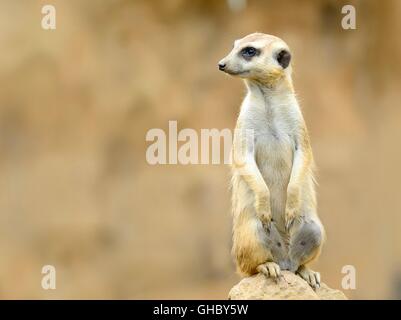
(275, 221)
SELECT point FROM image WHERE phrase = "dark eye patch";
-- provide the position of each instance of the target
(248, 52)
(283, 58)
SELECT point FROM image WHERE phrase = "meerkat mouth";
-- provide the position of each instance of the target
(237, 73)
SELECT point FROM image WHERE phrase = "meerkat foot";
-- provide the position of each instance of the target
(269, 269)
(310, 276)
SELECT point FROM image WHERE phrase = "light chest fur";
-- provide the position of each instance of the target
(274, 121)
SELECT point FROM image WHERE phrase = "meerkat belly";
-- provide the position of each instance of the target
(274, 156)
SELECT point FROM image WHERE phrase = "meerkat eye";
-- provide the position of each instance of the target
(249, 52)
(283, 58)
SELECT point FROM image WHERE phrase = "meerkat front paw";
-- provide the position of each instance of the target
(289, 218)
(263, 212)
(292, 205)
(269, 269)
(310, 276)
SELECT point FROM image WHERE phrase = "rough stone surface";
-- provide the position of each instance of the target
(288, 287)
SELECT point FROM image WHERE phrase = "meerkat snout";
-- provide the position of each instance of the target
(258, 56)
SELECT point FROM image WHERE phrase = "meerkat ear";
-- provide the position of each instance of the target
(284, 58)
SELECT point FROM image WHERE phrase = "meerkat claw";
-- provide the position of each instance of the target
(269, 269)
(267, 224)
(289, 224)
(317, 275)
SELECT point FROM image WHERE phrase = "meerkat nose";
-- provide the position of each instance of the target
(222, 66)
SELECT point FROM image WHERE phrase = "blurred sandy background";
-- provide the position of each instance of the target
(76, 191)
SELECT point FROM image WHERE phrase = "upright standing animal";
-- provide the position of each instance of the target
(275, 222)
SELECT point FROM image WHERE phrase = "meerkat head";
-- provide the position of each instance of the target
(260, 57)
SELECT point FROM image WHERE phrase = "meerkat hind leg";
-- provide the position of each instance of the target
(251, 248)
(305, 246)
(305, 243)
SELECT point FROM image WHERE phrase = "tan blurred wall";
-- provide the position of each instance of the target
(75, 104)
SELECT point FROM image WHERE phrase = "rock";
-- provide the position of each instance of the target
(288, 287)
